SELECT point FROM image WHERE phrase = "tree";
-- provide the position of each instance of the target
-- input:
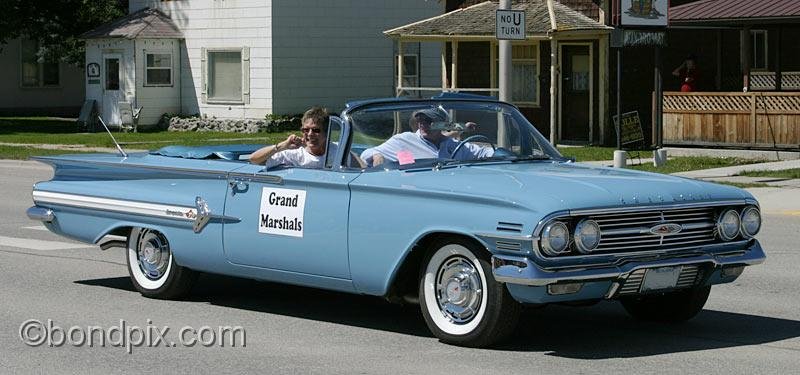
(57, 24)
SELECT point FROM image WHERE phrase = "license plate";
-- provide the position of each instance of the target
(661, 278)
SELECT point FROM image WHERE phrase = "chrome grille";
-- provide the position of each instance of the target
(509, 246)
(631, 231)
(688, 277)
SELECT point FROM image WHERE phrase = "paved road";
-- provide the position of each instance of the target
(751, 326)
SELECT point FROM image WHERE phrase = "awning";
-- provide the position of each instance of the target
(478, 21)
(735, 11)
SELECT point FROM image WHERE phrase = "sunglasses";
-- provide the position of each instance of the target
(311, 130)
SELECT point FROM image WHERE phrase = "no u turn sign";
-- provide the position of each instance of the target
(510, 24)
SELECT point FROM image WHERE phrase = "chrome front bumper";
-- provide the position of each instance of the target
(521, 270)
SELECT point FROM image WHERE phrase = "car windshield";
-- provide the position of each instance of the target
(425, 133)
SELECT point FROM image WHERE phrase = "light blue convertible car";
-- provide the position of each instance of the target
(470, 238)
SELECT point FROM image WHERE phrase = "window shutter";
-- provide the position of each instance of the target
(203, 76)
(246, 75)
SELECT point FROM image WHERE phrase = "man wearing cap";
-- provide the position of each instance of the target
(425, 143)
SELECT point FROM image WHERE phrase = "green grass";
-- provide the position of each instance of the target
(40, 130)
(24, 153)
(692, 163)
(786, 173)
(588, 153)
(743, 185)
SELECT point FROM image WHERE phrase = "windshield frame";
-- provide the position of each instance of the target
(407, 104)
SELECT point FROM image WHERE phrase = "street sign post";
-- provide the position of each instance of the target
(510, 24)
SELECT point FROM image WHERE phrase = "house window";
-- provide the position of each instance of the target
(410, 70)
(34, 73)
(760, 52)
(524, 74)
(158, 68)
(224, 76)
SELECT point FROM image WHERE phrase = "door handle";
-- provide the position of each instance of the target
(238, 186)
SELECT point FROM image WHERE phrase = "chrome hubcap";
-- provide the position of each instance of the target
(153, 254)
(458, 289)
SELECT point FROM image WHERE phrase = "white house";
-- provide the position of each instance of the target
(249, 58)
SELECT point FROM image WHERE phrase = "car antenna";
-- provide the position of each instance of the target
(119, 148)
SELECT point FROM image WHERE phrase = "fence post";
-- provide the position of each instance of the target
(753, 118)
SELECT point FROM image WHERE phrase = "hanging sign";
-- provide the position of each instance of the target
(644, 12)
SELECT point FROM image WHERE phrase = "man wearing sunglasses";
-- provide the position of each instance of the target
(307, 151)
(424, 142)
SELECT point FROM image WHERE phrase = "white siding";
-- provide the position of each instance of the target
(329, 52)
(303, 52)
(221, 24)
(65, 99)
(95, 49)
(155, 101)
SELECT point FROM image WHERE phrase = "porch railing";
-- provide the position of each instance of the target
(766, 81)
(732, 119)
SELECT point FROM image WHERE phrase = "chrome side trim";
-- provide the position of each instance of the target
(164, 211)
(263, 178)
(507, 237)
(40, 213)
(505, 270)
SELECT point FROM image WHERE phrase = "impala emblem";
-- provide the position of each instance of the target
(666, 228)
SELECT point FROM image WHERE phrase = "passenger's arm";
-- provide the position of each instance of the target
(263, 154)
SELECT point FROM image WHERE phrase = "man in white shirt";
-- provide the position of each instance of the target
(425, 143)
(307, 151)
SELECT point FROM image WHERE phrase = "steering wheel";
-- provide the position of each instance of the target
(470, 139)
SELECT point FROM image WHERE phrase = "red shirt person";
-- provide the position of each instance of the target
(688, 73)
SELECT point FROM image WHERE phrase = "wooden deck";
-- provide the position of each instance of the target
(732, 119)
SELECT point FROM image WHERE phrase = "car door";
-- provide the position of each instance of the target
(291, 219)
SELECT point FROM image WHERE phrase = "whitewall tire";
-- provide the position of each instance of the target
(461, 302)
(152, 267)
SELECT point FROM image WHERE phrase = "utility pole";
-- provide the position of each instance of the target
(504, 83)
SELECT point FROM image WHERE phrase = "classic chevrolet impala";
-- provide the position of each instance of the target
(492, 219)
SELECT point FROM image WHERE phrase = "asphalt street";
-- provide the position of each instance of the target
(750, 326)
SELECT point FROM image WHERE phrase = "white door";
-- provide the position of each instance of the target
(112, 88)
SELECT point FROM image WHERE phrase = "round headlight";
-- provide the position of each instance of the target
(728, 225)
(555, 238)
(751, 222)
(587, 236)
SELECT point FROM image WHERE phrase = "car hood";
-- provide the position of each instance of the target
(558, 186)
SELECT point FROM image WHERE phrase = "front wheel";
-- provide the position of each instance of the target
(460, 300)
(673, 307)
(152, 267)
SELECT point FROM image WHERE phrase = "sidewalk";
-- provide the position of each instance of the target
(728, 174)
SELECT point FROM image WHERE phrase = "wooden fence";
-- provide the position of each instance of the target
(732, 119)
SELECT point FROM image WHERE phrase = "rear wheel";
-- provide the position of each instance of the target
(675, 306)
(460, 300)
(152, 267)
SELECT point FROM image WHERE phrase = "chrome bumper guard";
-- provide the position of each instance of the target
(41, 214)
(521, 270)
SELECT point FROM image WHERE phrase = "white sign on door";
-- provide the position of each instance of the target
(282, 212)
(510, 24)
